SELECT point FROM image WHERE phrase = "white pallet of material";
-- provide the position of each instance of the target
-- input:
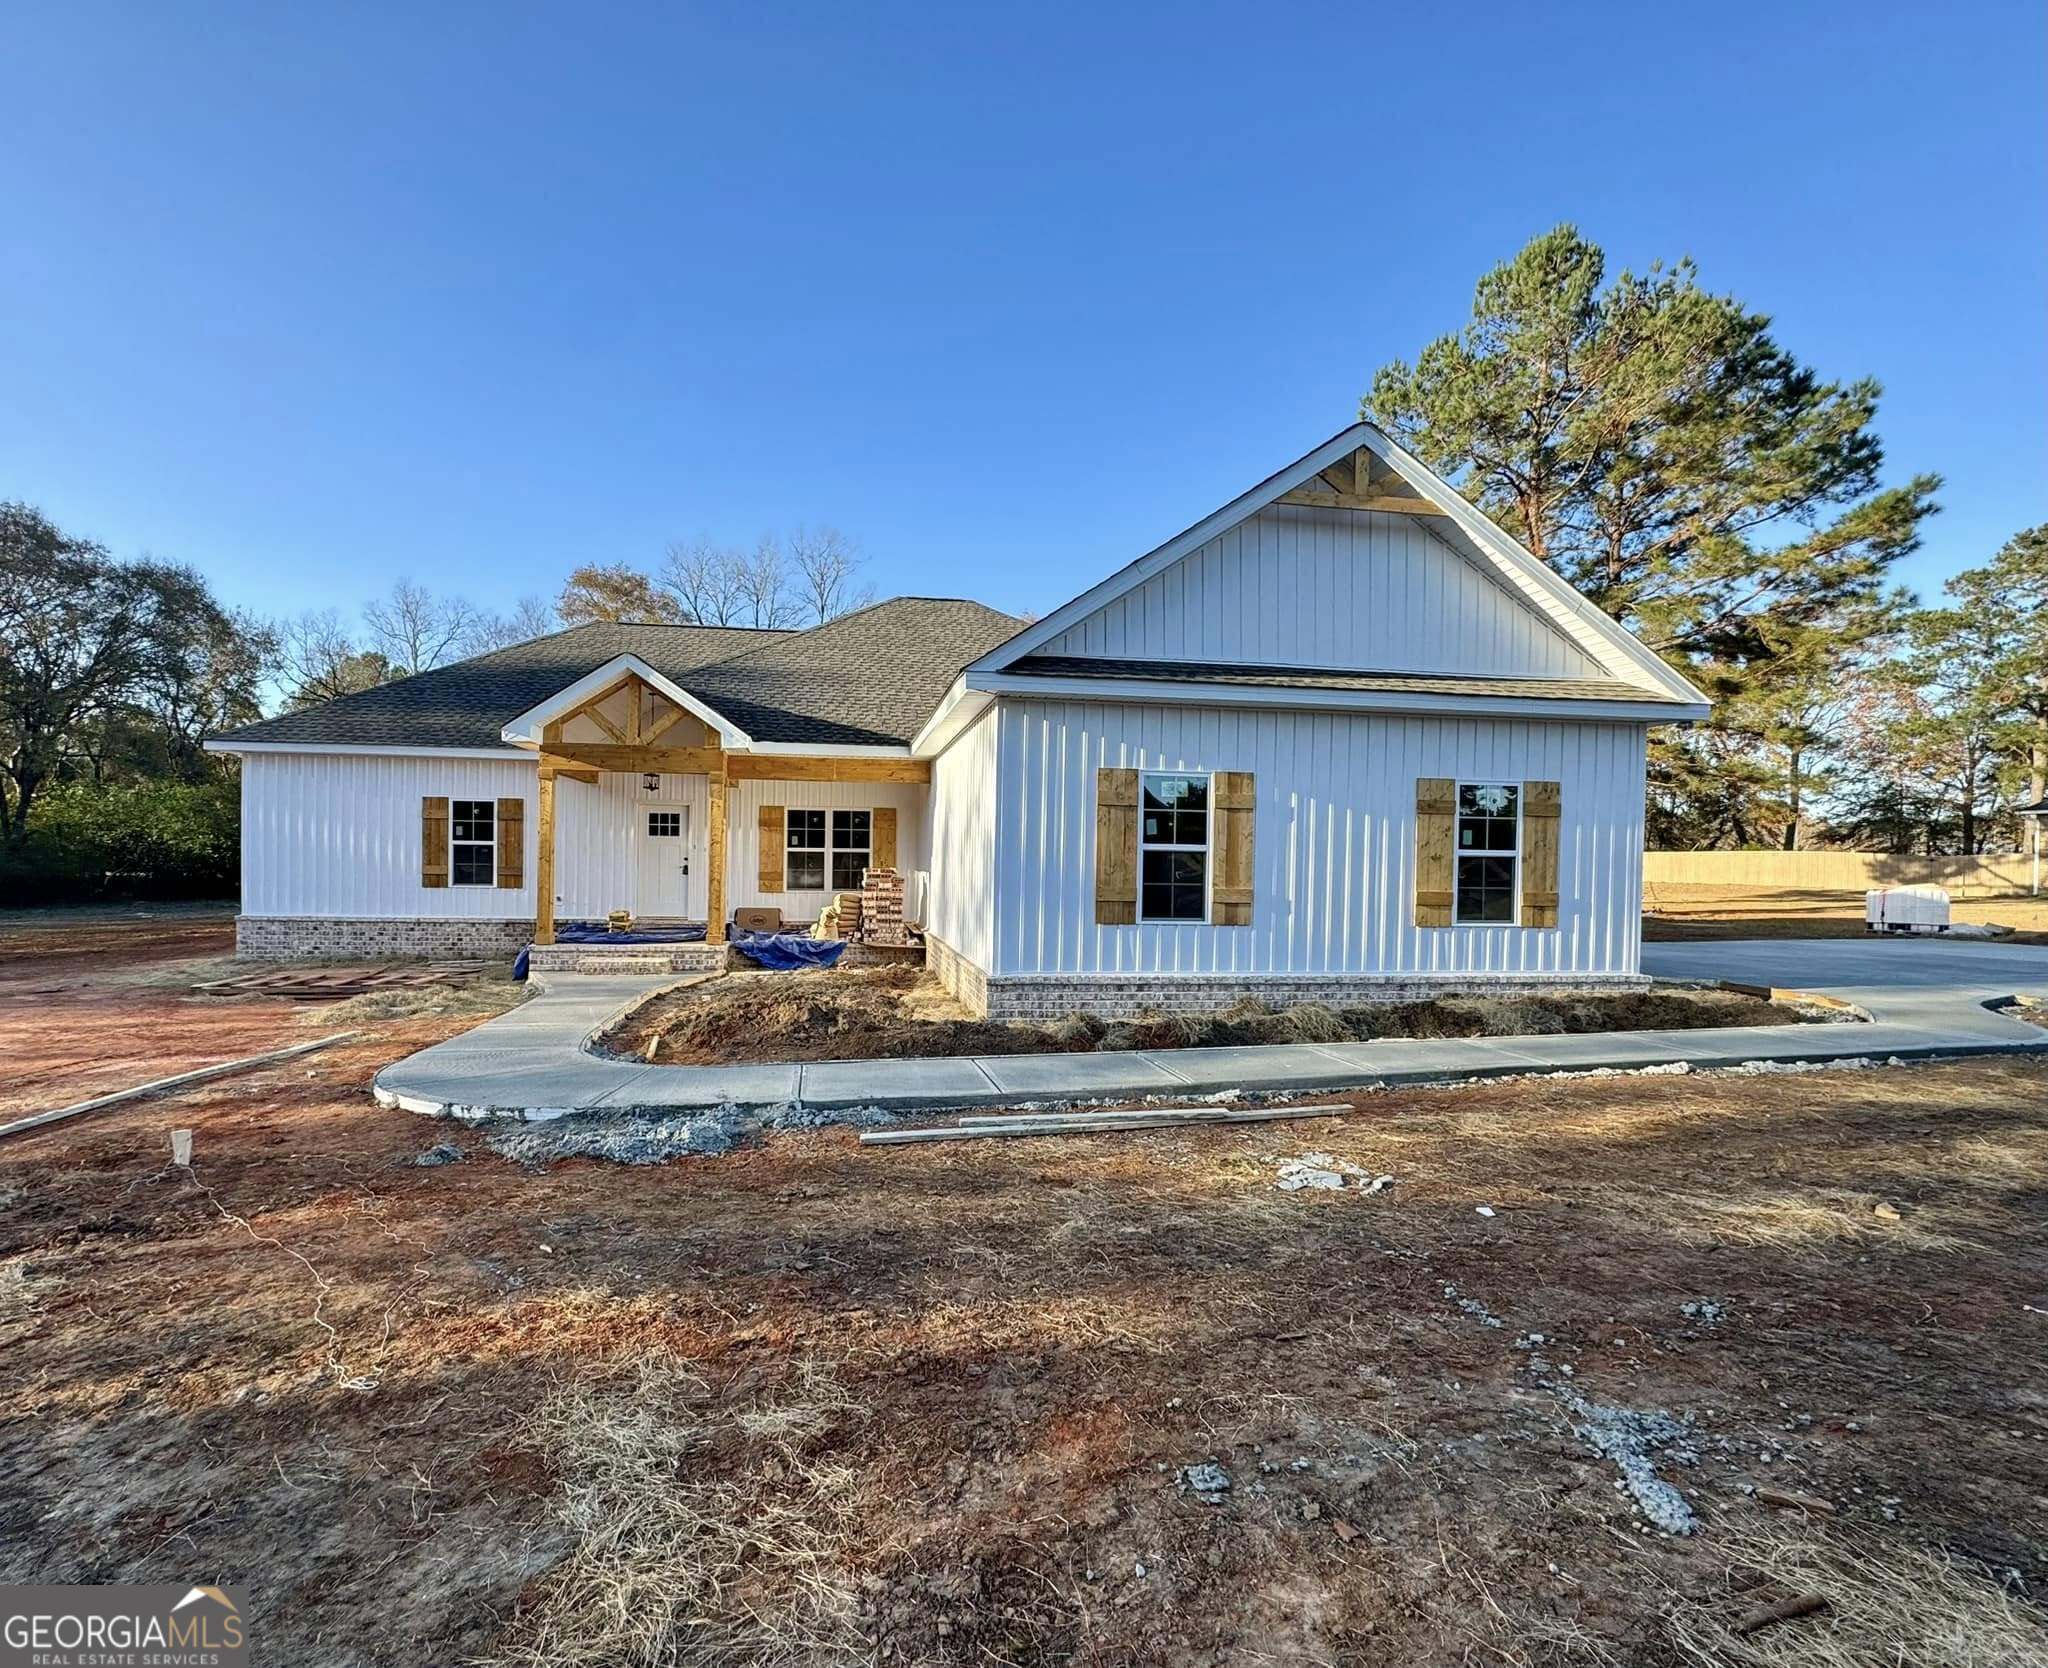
(1906, 909)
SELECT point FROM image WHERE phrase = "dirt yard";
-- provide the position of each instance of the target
(819, 1404)
(893, 1013)
(1677, 913)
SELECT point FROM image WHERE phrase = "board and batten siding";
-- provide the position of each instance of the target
(1334, 588)
(339, 834)
(1334, 843)
(960, 882)
(744, 800)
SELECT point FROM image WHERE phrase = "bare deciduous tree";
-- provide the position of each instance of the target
(317, 660)
(531, 617)
(416, 630)
(827, 563)
(704, 580)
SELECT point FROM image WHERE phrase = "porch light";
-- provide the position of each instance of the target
(651, 782)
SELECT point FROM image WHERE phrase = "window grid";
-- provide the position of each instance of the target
(473, 842)
(1173, 846)
(1489, 853)
(852, 843)
(804, 854)
(665, 825)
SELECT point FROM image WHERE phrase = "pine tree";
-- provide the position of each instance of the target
(1657, 446)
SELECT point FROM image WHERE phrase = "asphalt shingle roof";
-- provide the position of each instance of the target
(1324, 677)
(869, 678)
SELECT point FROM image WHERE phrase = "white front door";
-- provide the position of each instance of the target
(664, 886)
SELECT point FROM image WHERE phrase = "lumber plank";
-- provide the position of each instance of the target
(1149, 1113)
(163, 1085)
(810, 767)
(1023, 1124)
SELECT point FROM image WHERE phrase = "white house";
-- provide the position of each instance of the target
(1340, 739)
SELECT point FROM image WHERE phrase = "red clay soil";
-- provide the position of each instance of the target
(815, 1403)
(78, 1024)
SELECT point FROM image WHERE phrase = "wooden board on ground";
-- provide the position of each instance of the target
(333, 984)
(1094, 1123)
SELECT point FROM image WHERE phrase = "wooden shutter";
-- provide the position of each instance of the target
(1231, 799)
(882, 837)
(434, 840)
(1116, 847)
(1542, 816)
(1436, 821)
(512, 843)
(774, 846)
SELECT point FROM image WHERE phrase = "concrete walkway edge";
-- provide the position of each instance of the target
(536, 1061)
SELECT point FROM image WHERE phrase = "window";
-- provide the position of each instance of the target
(473, 842)
(805, 853)
(852, 841)
(1173, 848)
(665, 825)
(1489, 845)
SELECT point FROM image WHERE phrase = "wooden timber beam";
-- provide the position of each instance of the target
(666, 722)
(575, 772)
(544, 868)
(714, 881)
(824, 767)
(636, 696)
(1351, 501)
(596, 755)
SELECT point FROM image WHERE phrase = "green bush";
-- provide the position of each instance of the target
(159, 840)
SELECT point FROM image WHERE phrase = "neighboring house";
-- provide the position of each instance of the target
(1341, 739)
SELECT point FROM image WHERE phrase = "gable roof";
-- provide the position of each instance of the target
(867, 679)
(1531, 582)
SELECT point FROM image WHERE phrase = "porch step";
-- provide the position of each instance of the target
(626, 958)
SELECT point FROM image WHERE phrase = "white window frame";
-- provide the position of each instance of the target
(1514, 857)
(1207, 848)
(833, 848)
(822, 852)
(491, 845)
(676, 816)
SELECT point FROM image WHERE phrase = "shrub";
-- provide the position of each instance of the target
(157, 839)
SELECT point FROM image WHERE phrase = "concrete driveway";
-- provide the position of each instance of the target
(1930, 983)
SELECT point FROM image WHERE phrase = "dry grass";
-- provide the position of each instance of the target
(707, 1528)
(470, 999)
(1699, 912)
(1886, 1606)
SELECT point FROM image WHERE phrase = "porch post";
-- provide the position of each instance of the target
(715, 856)
(544, 865)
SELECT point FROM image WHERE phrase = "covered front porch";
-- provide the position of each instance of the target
(652, 803)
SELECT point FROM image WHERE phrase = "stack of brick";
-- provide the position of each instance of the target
(841, 917)
(881, 902)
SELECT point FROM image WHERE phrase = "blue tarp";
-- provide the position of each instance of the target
(596, 932)
(785, 952)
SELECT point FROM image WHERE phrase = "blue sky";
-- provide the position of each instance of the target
(313, 297)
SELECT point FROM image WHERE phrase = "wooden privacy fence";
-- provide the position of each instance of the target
(1834, 871)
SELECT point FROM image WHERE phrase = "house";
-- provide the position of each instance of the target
(1341, 739)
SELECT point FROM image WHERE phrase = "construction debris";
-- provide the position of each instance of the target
(334, 984)
(1093, 1123)
(1322, 1172)
(1785, 1610)
(1629, 1438)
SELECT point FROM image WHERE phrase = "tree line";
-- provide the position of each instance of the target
(1649, 439)
(1658, 447)
(113, 673)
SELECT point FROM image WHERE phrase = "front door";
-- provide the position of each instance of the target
(663, 874)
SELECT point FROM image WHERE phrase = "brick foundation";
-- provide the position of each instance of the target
(699, 957)
(306, 938)
(1119, 996)
(968, 983)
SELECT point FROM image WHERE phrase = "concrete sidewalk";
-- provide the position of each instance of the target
(534, 1062)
